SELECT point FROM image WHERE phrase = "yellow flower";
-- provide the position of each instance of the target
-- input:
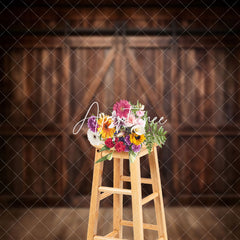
(137, 139)
(104, 123)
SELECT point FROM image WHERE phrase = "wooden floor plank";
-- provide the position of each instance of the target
(188, 223)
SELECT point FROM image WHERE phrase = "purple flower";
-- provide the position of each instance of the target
(136, 148)
(127, 140)
(126, 148)
(92, 124)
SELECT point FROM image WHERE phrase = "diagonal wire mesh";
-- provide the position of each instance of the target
(43, 88)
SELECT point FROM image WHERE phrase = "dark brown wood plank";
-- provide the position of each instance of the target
(143, 81)
(210, 88)
(65, 92)
(27, 171)
(149, 42)
(207, 42)
(55, 42)
(94, 83)
(200, 86)
(174, 114)
(118, 69)
(158, 65)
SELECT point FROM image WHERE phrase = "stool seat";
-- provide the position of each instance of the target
(101, 192)
(123, 155)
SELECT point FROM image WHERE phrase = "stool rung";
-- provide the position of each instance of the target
(149, 198)
(107, 238)
(115, 190)
(112, 234)
(104, 195)
(143, 180)
(145, 225)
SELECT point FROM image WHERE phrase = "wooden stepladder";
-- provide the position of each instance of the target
(100, 192)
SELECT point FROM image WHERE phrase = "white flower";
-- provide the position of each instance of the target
(138, 129)
(94, 138)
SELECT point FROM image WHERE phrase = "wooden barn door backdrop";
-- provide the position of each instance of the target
(48, 84)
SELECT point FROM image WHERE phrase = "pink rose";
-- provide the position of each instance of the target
(140, 113)
(140, 122)
(131, 120)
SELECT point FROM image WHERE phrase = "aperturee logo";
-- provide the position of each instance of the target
(127, 129)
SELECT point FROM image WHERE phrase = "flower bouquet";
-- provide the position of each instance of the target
(127, 129)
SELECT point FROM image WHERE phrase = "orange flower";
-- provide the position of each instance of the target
(104, 123)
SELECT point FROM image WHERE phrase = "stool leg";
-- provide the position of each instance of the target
(117, 198)
(95, 198)
(158, 202)
(136, 199)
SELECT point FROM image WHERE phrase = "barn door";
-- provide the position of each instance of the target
(132, 68)
(49, 83)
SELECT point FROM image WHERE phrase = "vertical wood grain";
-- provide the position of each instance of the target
(210, 87)
(65, 114)
(220, 73)
(117, 70)
(182, 85)
(157, 187)
(26, 85)
(16, 76)
(27, 171)
(45, 63)
(123, 70)
(237, 115)
(136, 188)
(54, 86)
(117, 198)
(174, 114)
(159, 75)
(107, 86)
(95, 197)
(200, 94)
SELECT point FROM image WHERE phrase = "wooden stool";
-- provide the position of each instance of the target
(100, 192)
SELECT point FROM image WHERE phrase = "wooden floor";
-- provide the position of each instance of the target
(187, 223)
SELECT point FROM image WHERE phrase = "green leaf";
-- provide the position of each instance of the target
(106, 157)
(109, 156)
(104, 148)
(146, 126)
(132, 156)
(155, 127)
(157, 140)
